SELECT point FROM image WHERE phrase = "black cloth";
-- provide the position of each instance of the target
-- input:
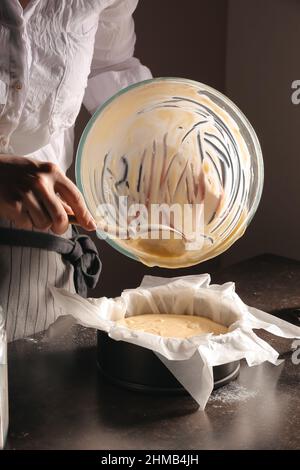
(80, 251)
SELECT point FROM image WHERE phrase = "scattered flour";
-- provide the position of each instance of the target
(231, 393)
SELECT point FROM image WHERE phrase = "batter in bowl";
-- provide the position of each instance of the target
(175, 326)
(169, 153)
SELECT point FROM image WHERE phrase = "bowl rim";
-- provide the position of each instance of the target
(220, 96)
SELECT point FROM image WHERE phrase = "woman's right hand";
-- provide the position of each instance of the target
(38, 194)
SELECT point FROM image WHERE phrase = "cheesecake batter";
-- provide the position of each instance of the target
(175, 326)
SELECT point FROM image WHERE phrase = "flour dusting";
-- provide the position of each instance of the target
(231, 393)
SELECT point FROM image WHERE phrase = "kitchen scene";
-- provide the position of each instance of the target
(149, 228)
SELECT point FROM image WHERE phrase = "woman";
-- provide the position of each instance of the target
(54, 55)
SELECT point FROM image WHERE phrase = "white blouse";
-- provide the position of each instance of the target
(55, 55)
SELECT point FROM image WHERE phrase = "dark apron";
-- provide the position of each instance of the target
(80, 251)
(30, 262)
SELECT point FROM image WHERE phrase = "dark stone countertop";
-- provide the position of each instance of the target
(59, 401)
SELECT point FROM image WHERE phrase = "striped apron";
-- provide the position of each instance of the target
(25, 275)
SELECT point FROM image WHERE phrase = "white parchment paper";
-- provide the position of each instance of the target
(190, 360)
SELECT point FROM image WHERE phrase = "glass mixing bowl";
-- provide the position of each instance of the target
(171, 170)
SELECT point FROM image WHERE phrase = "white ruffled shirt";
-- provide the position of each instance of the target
(55, 55)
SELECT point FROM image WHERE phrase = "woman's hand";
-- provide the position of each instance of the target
(38, 194)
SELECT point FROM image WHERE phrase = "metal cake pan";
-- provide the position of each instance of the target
(138, 368)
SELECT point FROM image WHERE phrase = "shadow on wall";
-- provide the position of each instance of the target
(262, 62)
(183, 39)
(172, 40)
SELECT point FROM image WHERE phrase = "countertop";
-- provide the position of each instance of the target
(58, 400)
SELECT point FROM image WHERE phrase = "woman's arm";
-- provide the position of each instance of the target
(113, 66)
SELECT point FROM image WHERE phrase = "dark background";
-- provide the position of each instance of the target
(183, 39)
(247, 49)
